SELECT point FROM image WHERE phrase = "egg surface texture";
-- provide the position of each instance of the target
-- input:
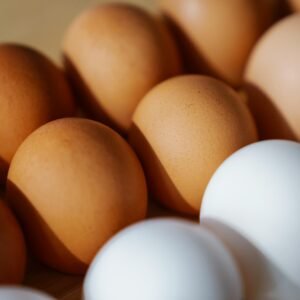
(252, 202)
(33, 91)
(115, 53)
(216, 36)
(18, 293)
(273, 81)
(12, 248)
(164, 260)
(74, 183)
(182, 130)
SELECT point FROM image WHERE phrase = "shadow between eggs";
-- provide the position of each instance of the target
(44, 245)
(3, 172)
(86, 99)
(193, 60)
(270, 122)
(263, 280)
(161, 187)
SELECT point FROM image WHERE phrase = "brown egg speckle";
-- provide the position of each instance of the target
(182, 130)
(74, 183)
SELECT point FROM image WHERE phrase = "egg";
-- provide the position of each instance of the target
(24, 293)
(182, 130)
(295, 4)
(33, 91)
(12, 248)
(273, 83)
(216, 36)
(252, 203)
(114, 54)
(74, 183)
(163, 259)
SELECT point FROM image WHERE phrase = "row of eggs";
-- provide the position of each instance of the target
(182, 131)
(246, 246)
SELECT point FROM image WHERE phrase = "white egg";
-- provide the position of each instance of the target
(252, 203)
(18, 293)
(163, 259)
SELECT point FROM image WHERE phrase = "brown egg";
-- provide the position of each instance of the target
(12, 248)
(114, 54)
(33, 91)
(74, 183)
(294, 4)
(216, 36)
(273, 81)
(183, 129)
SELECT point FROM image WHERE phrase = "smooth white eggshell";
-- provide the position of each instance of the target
(22, 293)
(163, 259)
(253, 203)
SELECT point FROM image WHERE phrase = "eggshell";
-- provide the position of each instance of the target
(182, 130)
(163, 260)
(273, 81)
(252, 203)
(12, 248)
(24, 293)
(216, 36)
(33, 91)
(115, 53)
(74, 183)
(295, 4)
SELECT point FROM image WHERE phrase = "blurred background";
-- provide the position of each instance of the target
(42, 23)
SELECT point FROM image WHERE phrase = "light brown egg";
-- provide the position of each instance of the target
(273, 81)
(74, 183)
(33, 91)
(216, 36)
(12, 248)
(294, 4)
(114, 54)
(183, 129)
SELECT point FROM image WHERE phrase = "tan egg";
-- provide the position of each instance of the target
(114, 54)
(12, 248)
(216, 36)
(183, 129)
(273, 81)
(73, 184)
(33, 91)
(294, 4)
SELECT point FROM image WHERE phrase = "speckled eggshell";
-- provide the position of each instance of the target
(74, 183)
(12, 248)
(33, 91)
(182, 130)
(216, 36)
(273, 81)
(114, 54)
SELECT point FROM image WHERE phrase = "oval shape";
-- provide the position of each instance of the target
(163, 260)
(211, 36)
(115, 53)
(252, 203)
(273, 81)
(182, 130)
(74, 183)
(33, 91)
